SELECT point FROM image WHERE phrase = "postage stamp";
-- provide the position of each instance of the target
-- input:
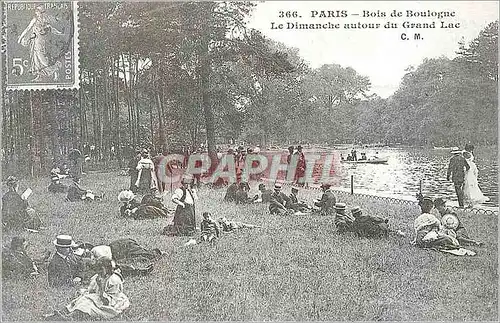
(41, 45)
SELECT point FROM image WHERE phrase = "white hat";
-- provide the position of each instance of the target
(456, 150)
(450, 221)
(126, 196)
(64, 241)
(99, 252)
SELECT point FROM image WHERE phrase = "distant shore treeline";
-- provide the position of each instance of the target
(166, 74)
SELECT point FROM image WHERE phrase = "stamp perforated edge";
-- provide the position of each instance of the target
(76, 49)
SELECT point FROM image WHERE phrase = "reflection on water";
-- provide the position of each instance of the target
(401, 176)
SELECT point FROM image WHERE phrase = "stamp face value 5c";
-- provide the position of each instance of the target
(42, 45)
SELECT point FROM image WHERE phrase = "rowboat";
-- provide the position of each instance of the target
(367, 161)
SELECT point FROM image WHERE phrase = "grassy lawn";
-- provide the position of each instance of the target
(294, 268)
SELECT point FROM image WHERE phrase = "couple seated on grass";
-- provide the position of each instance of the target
(150, 207)
(281, 204)
(238, 192)
(211, 229)
(447, 234)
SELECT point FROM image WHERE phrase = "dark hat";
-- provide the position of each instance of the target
(64, 241)
(340, 206)
(12, 181)
(356, 210)
(295, 188)
(206, 215)
(278, 186)
(326, 185)
(439, 202)
(299, 147)
(261, 185)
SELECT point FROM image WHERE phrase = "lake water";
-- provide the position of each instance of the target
(406, 167)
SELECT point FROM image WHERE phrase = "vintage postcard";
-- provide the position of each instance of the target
(250, 161)
(41, 45)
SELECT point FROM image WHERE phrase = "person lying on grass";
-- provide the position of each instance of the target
(279, 201)
(130, 257)
(209, 228)
(230, 226)
(56, 186)
(16, 212)
(428, 233)
(326, 205)
(263, 195)
(149, 208)
(451, 222)
(64, 268)
(343, 221)
(76, 193)
(295, 204)
(103, 299)
(16, 263)
(371, 226)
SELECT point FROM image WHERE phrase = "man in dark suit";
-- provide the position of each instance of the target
(456, 169)
(64, 267)
(327, 203)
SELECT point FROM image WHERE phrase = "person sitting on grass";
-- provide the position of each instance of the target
(76, 193)
(16, 212)
(64, 267)
(263, 195)
(343, 221)
(428, 232)
(278, 201)
(15, 261)
(209, 228)
(371, 226)
(103, 299)
(231, 192)
(242, 194)
(149, 208)
(56, 186)
(230, 226)
(326, 205)
(451, 221)
(295, 204)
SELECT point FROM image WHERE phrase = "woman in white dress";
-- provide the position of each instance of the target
(472, 192)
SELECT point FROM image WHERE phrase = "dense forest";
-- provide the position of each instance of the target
(167, 75)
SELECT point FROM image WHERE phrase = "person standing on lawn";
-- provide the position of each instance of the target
(64, 267)
(456, 170)
(184, 217)
(132, 170)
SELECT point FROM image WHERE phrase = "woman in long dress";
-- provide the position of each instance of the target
(35, 36)
(103, 299)
(472, 192)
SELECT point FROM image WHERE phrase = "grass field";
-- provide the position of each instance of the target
(294, 268)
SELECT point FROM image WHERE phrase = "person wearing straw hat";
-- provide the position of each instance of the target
(457, 168)
(278, 201)
(326, 205)
(450, 221)
(343, 221)
(130, 204)
(64, 267)
(427, 229)
(16, 212)
(185, 217)
(55, 185)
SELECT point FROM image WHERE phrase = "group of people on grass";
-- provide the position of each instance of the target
(104, 266)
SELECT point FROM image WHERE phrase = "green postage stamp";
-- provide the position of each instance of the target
(41, 45)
